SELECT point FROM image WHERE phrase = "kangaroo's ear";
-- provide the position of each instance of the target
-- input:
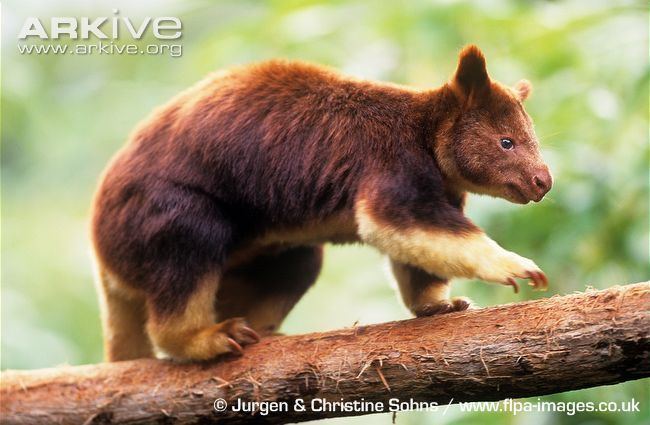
(471, 81)
(523, 89)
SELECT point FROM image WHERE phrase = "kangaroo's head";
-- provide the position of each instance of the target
(487, 143)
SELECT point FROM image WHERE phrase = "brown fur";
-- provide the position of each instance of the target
(219, 204)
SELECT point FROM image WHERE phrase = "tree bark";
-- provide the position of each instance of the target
(510, 351)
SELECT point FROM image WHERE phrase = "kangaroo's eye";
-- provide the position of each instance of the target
(507, 144)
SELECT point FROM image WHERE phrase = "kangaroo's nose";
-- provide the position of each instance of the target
(542, 182)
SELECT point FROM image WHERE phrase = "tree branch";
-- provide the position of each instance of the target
(516, 350)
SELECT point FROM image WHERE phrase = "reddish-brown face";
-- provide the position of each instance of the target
(496, 150)
(492, 143)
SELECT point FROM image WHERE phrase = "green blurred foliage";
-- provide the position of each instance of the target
(64, 116)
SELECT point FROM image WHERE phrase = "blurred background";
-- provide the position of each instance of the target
(64, 116)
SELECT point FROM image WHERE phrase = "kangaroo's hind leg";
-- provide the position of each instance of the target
(123, 320)
(192, 332)
(266, 287)
(173, 246)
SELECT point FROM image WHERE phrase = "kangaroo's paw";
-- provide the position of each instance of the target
(443, 307)
(508, 266)
(227, 337)
(462, 303)
(237, 333)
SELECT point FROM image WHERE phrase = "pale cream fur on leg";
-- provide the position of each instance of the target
(442, 252)
(123, 317)
(192, 333)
